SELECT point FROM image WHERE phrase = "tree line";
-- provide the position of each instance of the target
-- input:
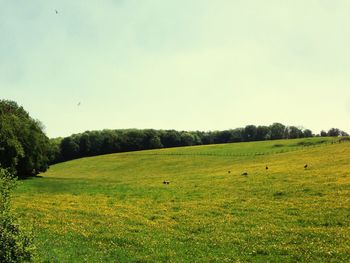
(25, 150)
(91, 143)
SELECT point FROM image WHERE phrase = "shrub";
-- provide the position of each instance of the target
(15, 244)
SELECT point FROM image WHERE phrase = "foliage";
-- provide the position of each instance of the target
(15, 244)
(91, 143)
(250, 132)
(307, 133)
(277, 131)
(323, 133)
(24, 148)
(294, 132)
(262, 133)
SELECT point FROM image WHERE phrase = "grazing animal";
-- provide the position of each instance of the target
(305, 166)
(245, 173)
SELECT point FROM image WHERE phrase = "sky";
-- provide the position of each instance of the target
(177, 64)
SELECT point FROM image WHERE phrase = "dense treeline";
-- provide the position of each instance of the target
(24, 148)
(92, 143)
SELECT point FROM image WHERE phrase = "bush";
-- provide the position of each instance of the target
(15, 244)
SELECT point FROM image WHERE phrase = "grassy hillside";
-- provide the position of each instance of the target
(115, 208)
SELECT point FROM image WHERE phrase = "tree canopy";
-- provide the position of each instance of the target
(24, 147)
(92, 143)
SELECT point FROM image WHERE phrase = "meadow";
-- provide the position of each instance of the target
(115, 208)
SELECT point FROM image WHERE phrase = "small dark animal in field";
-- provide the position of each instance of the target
(305, 166)
(229, 172)
(166, 182)
(266, 167)
(245, 173)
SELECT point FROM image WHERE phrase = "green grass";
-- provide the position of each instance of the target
(115, 208)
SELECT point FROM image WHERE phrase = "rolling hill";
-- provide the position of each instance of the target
(116, 208)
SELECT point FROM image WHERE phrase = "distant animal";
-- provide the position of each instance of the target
(245, 173)
(78, 104)
(56, 12)
(166, 182)
(229, 172)
(266, 167)
(305, 166)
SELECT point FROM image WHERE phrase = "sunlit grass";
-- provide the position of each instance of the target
(116, 208)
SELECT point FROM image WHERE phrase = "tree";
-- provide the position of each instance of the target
(343, 133)
(249, 133)
(187, 139)
(84, 144)
(237, 135)
(55, 155)
(69, 148)
(307, 133)
(323, 133)
(170, 138)
(151, 140)
(277, 131)
(294, 132)
(24, 147)
(206, 137)
(333, 132)
(132, 140)
(111, 142)
(262, 133)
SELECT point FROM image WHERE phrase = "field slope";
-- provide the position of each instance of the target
(115, 208)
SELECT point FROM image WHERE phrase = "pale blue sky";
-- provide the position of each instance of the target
(184, 64)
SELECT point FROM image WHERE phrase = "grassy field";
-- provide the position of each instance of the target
(115, 208)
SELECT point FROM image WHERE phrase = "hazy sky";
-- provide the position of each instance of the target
(181, 64)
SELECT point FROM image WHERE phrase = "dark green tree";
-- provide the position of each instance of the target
(343, 133)
(277, 131)
(84, 144)
(151, 139)
(170, 138)
(307, 133)
(187, 139)
(111, 142)
(69, 148)
(24, 147)
(262, 133)
(323, 133)
(334, 132)
(294, 132)
(249, 133)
